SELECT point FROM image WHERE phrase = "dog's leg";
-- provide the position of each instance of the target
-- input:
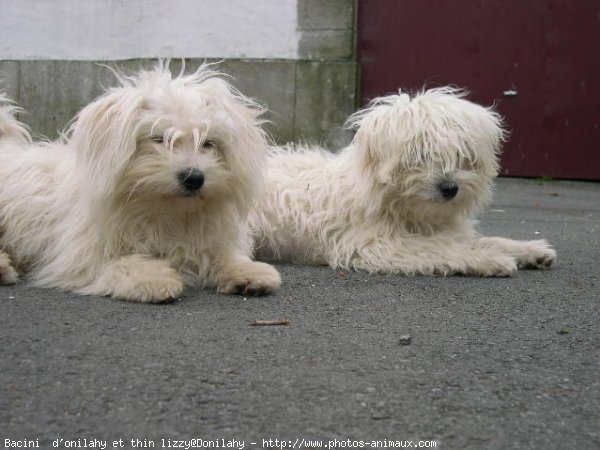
(240, 275)
(428, 257)
(529, 254)
(8, 274)
(139, 279)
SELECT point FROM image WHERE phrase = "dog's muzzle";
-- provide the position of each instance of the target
(448, 189)
(191, 180)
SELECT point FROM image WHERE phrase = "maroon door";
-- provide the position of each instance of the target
(539, 60)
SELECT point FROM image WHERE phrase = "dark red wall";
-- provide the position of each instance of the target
(546, 51)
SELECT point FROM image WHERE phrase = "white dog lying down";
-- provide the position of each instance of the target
(149, 189)
(401, 198)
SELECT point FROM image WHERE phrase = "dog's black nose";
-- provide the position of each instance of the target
(449, 189)
(191, 179)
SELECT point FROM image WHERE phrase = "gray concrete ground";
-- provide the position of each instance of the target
(493, 363)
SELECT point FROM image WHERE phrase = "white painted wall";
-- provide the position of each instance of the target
(122, 29)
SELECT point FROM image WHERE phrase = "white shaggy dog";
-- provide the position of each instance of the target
(149, 190)
(401, 198)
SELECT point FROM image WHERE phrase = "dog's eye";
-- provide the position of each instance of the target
(209, 145)
(158, 139)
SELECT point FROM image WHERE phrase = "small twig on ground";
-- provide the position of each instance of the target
(258, 323)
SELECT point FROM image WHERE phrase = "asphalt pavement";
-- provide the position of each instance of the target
(455, 363)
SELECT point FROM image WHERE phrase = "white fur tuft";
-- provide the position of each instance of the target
(10, 128)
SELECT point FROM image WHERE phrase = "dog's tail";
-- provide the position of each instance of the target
(10, 128)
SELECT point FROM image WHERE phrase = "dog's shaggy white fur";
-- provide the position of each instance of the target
(401, 198)
(148, 190)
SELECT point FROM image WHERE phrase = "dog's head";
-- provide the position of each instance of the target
(437, 151)
(187, 140)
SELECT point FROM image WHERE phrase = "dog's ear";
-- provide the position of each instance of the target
(372, 155)
(491, 134)
(248, 140)
(104, 135)
(379, 136)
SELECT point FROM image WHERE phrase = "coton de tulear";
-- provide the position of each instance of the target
(401, 198)
(148, 191)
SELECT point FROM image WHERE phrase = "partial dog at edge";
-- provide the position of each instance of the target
(149, 189)
(401, 198)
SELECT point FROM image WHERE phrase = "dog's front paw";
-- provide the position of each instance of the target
(151, 285)
(161, 287)
(538, 255)
(249, 278)
(8, 275)
(138, 279)
(495, 266)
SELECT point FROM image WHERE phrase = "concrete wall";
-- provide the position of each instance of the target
(297, 57)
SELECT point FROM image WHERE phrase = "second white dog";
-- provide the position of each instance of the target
(149, 190)
(401, 198)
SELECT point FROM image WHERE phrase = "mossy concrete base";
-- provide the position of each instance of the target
(307, 100)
